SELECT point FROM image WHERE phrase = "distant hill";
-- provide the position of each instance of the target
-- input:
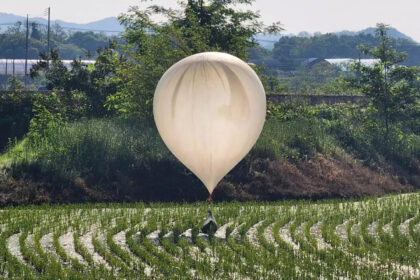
(393, 32)
(267, 40)
(109, 25)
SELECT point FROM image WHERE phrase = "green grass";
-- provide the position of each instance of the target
(293, 140)
(17, 152)
(125, 159)
(292, 132)
(258, 244)
(96, 147)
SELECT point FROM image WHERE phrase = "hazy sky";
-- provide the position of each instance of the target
(296, 15)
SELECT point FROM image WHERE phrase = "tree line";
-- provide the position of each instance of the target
(69, 44)
(289, 50)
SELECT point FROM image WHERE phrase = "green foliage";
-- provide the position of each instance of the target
(90, 85)
(53, 68)
(89, 42)
(15, 112)
(291, 110)
(15, 85)
(92, 147)
(357, 131)
(293, 140)
(322, 78)
(70, 45)
(272, 83)
(293, 132)
(47, 116)
(393, 90)
(71, 142)
(128, 153)
(290, 49)
(337, 86)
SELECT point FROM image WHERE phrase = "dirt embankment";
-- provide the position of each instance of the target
(260, 179)
(319, 177)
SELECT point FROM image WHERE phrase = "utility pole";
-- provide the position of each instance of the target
(49, 20)
(27, 45)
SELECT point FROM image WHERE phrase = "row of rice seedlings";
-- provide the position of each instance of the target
(138, 249)
(124, 255)
(363, 256)
(227, 263)
(328, 258)
(288, 262)
(51, 261)
(305, 259)
(118, 268)
(11, 266)
(248, 253)
(281, 264)
(194, 250)
(415, 234)
(392, 247)
(276, 262)
(322, 263)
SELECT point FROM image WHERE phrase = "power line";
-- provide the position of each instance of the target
(87, 29)
(27, 48)
(49, 20)
(70, 28)
(67, 27)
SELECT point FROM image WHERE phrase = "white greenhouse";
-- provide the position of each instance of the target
(344, 63)
(16, 67)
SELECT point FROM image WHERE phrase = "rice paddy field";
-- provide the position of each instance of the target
(374, 238)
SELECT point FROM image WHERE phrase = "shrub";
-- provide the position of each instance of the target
(15, 112)
(292, 140)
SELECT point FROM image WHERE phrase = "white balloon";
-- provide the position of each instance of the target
(209, 109)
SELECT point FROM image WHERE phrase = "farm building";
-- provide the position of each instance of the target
(309, 62)
(343, 63)
(292, 64)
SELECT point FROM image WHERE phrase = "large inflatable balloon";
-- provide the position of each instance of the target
(209, 109)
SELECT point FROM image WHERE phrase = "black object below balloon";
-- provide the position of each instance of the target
(210, 225)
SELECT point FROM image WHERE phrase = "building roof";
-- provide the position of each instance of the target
(345, 62)
(309, 62)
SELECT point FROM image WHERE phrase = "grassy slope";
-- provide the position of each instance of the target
(15, 151)
(115, 160)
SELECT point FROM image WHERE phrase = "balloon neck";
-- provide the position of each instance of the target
(210, 198)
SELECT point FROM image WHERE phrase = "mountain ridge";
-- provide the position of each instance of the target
(267, 40)
(107, 25)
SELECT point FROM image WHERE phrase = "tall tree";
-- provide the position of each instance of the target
(35, 33)
(393, 89)
(96, 81)
(215, 25)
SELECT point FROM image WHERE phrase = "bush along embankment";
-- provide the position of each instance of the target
(93, 138)
(303, 152)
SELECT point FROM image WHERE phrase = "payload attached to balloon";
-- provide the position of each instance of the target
(209, 109)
